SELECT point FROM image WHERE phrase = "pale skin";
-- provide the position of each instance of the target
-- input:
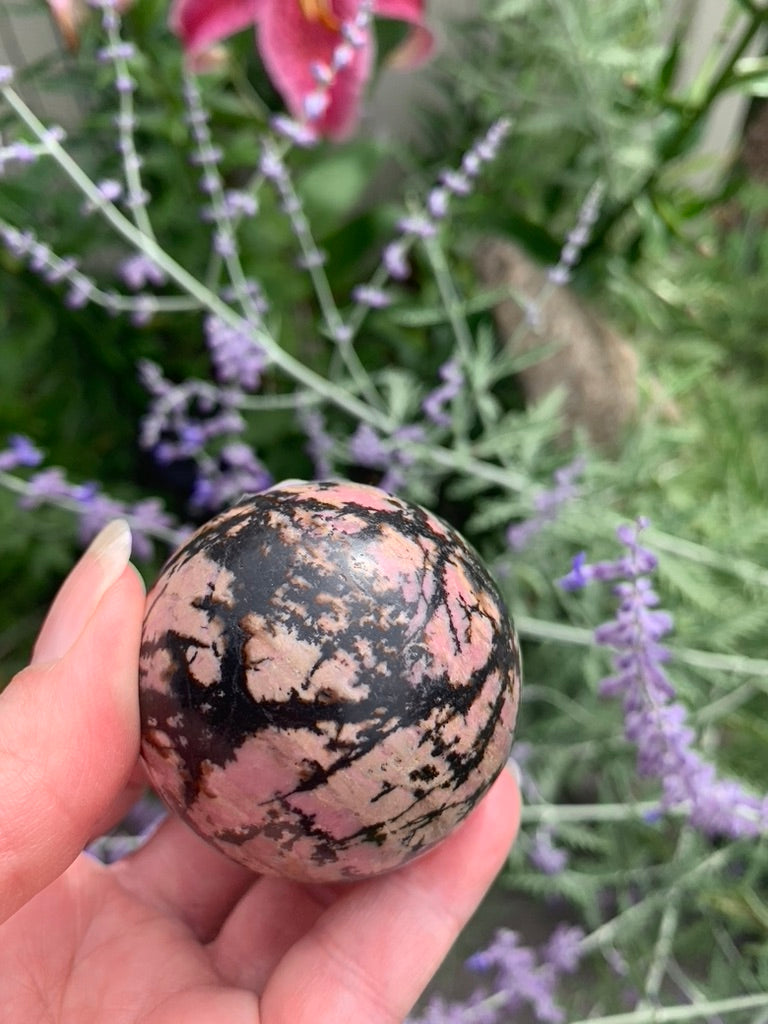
(176, 932)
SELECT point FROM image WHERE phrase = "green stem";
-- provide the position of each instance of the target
(668, 925)
(607, 932)
(743, 568)
(694, 1011)
(462, 461)
(461, 332)
(557, 814)
(558, 632)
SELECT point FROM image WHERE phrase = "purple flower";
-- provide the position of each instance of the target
(240, 204)
(271, 165)
(52, 268)
(456, 182)
(439, 1011)
(411, 433)
(109, 192)
(320, 444)
(372, 297)
(117, 51)
(96, 510)
(147, 518)
(544, 855)
(138, 271)
(521, 976)
(20, 452)
(302, 135)
(183, 418)
(311, 259)
(194, 420)
(236, 355)
(81, 291)
(17, 242)
(49, 485)
(20, 152)
(423, 224)
(419, 225)
(367, 448)
(395, 261)
(563, 949)
(437, 202)
(220, 481)
(653, 720)
(434, 404)
(547, 505)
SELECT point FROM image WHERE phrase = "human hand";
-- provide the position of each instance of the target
(176, 932)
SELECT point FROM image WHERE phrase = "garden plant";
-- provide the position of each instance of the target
(230, 270)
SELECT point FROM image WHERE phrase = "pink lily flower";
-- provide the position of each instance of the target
(304, 50)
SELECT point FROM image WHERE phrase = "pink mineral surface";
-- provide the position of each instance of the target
(328, 681)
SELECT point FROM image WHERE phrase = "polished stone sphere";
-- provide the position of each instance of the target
(328, 681)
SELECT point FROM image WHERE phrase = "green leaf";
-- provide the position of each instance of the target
(332, 187)
(401, 392)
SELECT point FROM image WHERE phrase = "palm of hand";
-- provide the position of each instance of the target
(124, 946)
(176, 932)
(109, 956)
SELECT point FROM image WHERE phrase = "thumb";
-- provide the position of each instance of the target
(69, 723)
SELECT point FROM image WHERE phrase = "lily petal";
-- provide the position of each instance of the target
(290, 44)
(201, 23)
(420, 44)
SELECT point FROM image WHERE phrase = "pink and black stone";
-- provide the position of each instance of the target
(328, 681)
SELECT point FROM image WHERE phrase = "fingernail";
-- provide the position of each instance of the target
(111, 549)
(101, 565)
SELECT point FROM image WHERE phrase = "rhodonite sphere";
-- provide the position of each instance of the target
(328, 681)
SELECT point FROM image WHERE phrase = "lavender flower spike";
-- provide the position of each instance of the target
(434, 405)
(525, 977)
(578, 236)
(547, 505)
(653, 720)
(521, 978)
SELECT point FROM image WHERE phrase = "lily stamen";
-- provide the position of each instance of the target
(320, 10)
